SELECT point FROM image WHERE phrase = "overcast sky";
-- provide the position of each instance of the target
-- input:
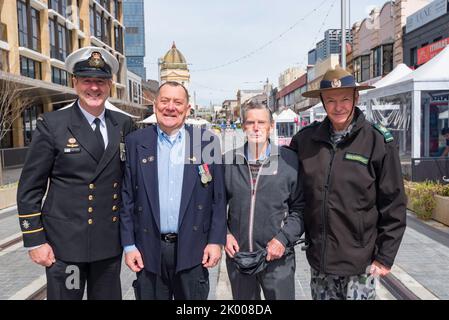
(211, 33)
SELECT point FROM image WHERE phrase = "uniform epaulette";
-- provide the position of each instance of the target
(384, 131)
(312, 125)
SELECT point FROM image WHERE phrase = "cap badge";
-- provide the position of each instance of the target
(96, 60)
(336, 83)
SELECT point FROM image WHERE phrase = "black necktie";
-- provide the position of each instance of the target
(99, 135)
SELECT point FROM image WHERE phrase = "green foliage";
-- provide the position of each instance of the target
(422, 196)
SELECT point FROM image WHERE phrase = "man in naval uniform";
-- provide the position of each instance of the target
(79, 154)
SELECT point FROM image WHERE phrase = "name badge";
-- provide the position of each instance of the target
(72, 150)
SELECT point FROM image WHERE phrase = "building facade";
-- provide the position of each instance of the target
(134, 21)
(377, 46)
(289, 75)
(35, 38)
(426, 33)
(331, 44)
(290, 96)
(173, 67)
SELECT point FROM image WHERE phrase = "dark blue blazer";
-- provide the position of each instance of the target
(202, 214)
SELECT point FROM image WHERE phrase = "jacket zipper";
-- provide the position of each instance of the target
(324, 211)
(253, 203)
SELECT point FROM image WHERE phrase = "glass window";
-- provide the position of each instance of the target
(35, 30)
(4, 61)
(98, 25)
(434, 108)
(30, 68)
(23, 23)
(358, 69)
(413, 57)
(59, 76)
(365, 67)
(394, 113)
(92, 20)
(29, 117)
(377, 62)
(387, 59)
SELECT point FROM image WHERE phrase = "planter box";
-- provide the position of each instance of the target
(441, 211)
(8, 197)
(408, 192)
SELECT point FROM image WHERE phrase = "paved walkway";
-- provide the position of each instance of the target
(422, 261)
(11, 175)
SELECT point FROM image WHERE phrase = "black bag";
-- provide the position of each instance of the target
(251, 263)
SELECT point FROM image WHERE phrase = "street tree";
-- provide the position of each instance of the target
(12, 103)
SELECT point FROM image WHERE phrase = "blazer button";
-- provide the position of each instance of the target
(115, 196)
(90, 210)
(115, 184)
(145, 230)
(137, 187)
(200, 207)
(114, 219)
(195, 228)
(91, 186)
(140, 209)
(90, 221)
(91, 197)
(114, 208)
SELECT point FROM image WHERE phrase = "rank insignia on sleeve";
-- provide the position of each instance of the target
(25, 224)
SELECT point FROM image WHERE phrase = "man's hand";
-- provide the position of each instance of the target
(378, 269)
(134, 261)
(275, 249)
(211, 256)
(43, 255)
(231, 245)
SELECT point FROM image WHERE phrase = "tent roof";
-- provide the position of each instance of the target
(436, 69)
(432, 76)
(398, 73)
(287, 116)
(109, 106)
(150, 119)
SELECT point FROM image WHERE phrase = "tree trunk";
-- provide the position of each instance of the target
(1, 170)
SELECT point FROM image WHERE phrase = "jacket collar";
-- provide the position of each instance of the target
(241, 154)
(323, 132)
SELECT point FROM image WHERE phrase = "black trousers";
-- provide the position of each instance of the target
(67, 280)
(277, 280)
(190, 284)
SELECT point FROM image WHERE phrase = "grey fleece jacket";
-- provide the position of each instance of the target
(273, 209)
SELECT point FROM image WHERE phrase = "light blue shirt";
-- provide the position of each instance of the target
(90, 118)
(170, 164)
(170, 171)
(262, 157)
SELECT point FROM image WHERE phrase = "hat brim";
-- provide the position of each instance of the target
(316, 93)
(92, 74)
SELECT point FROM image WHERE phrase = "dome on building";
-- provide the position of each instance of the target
(174, 59)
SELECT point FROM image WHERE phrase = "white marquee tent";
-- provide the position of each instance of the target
(430, 77)
(109, 106)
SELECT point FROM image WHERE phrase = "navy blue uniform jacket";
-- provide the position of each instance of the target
(202, 213)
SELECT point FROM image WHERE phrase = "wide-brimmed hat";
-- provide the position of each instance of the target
(92, 62)
(337, 78)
